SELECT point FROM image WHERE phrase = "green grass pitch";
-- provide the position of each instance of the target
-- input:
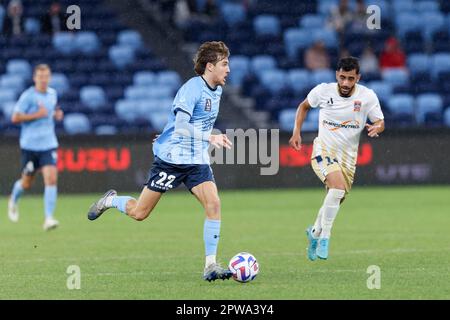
(404, 231)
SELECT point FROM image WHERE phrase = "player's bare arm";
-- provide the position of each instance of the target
(59, 114)
(296, 140)
(375, 129)
(18, 117)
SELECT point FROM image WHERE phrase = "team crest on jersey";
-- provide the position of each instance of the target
(208, 105)
(357, 106)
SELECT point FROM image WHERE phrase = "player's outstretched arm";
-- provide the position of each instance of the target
(375, 129)
(19, 117)
(296, 139)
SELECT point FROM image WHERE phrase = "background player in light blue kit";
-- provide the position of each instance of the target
(36, 110)
(181, 153)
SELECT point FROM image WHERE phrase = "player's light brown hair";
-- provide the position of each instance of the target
(212, 52)
(41, 66)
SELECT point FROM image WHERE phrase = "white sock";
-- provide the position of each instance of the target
(317, 228)
(330, 209)
(210, 260)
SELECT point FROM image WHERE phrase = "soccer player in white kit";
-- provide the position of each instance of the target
(345, 107)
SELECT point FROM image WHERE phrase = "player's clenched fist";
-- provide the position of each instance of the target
(296, 142)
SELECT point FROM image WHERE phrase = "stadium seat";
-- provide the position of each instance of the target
(32, 26)
(144, 78)
(322, 75)
(169, 78)
(64, 42)
(129, 38)
(295, 39)
(158, 120)
(274, 80)
(327, 36)
(7, 108)
(400, 6)
(312, 21)
(233, 13)
(60, 83)
(106, 129)
(121, 56)
(7, 95)
(401, 107)
(395, 76)
(2, 16)
(286, 119)
(427, 6)
(298, 80)
(87, 42)
(382, 89)
(12, 82)
(19, 67)
(76, 123)
(325, 6)
(126, 110)
(266, 25)
(431, 22)
(240, 67)
(407, 21)
(428, 104)
(93, 97)
(261, 63)
(419, 63)
(441, 63)
(447, 117)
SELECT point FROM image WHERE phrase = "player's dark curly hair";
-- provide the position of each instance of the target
(212, 52)
(348, 64)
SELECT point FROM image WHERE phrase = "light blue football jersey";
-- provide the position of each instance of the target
(201, 102)
(37, 135)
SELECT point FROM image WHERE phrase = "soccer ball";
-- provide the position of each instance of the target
(244, 267)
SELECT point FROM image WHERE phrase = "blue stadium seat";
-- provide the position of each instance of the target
(298, 80)
(136, 93)
(60, 83)
(382, 89)
(93, 97)
(64, 42)
(32, 26)
(12, 82)
(261, 63)
(419, 63)
(427, 6)
(144, 78)
(106, 130)
(76, 123)
(286, 119)
(274, 80)
(87, 42)
(327, 36)
(7, 108)
(126, 110)
(400, 6)
(2, 16)
(428, 104)
(19, 67)
(441, 63)
(233, 13)
(312, 21)
(7, 95)
(266, 25)
(158, 120)
(169, 78)
(311, 123)
(405, 22)
(396, 76)
(401, 104)
(447, 117)
(431, 22)
(121, 56)
(129, 38)
(322, 75)
(240, 67)
(295, 39)
(325, 6)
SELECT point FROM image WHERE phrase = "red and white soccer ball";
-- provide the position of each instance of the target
(244, 266)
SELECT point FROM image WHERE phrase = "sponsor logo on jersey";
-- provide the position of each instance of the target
(357, 106)
(333, 126)
(208, 105)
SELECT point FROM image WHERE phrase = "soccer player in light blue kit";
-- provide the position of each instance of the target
(181, 153)
(36, 110)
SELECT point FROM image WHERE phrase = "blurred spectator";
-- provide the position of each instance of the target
(368, 62)
(211, 9)
(14, 24)
(392, 55)
(359, 22)
(341, 16)
(54, 21)
(317, 57)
